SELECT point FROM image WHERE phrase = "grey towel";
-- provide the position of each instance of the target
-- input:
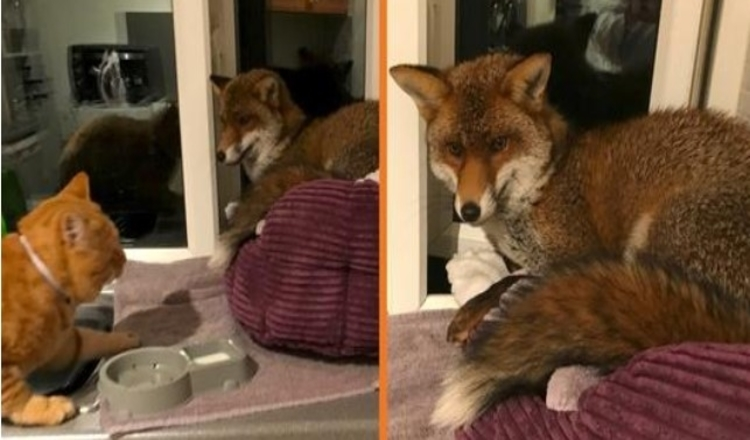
(183, 303)
(418, 357)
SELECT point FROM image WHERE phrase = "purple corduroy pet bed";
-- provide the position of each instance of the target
(679, 392)
(310, 280)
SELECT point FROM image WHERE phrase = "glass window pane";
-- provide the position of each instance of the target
(317, 48)
(602, 50)
(91, 86)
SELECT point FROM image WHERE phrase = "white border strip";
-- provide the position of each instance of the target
(193, 58)
(676, 49)
(407, 165)
(729, 60)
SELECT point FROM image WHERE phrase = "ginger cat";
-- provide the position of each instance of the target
(65, 251)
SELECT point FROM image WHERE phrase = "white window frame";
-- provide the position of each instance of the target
(674, 80)
(730, 56)
(193, 64)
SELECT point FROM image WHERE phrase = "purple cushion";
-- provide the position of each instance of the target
(676, 392)
(310, 281)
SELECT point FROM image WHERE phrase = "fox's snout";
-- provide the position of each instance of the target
(231, 147)
(474, 192)
(470, 211)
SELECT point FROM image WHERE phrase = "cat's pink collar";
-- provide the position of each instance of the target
(43, 269)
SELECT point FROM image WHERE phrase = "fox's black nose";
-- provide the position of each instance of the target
(220, 156)
(470, 212)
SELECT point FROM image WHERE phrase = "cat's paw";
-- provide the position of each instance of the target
(125, 340)
(44, 411)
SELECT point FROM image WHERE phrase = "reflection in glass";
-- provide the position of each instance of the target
(602, 51)
(91, 86)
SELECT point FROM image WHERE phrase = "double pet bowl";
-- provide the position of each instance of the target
(152, 379)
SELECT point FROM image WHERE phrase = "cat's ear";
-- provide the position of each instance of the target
(267, 90)
(581, 30)
(344, 68)
(306, 58)
(78, 186)
(527, 81)
(425, 85)
(219, 83)
(73, 228)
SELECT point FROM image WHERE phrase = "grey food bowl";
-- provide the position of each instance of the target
(152, 379)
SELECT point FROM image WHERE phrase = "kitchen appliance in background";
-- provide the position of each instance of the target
(115, 74)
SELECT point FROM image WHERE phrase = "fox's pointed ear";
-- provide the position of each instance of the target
(527, 81)
(425, 85)
(78, 186)
(267, 90)
(219, 82)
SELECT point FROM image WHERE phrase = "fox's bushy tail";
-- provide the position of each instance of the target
(228, 247)
(261, 196)
(598, 313)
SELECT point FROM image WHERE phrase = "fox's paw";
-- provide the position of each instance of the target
(499, 297)
(463, 325)
(230, 210)
(44, 411)
(518, 291)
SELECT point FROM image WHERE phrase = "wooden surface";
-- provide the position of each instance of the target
(309, 6)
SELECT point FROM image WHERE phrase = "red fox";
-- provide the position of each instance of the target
(280, 147)
(668, 194)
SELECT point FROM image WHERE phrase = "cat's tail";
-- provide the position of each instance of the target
(598, 313)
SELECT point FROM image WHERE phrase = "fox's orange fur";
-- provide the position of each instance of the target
(279, 147)
(80, 247)
(673, 185)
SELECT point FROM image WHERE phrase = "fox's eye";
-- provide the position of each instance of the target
(499, 144)
(455, 149)
(243, 119)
